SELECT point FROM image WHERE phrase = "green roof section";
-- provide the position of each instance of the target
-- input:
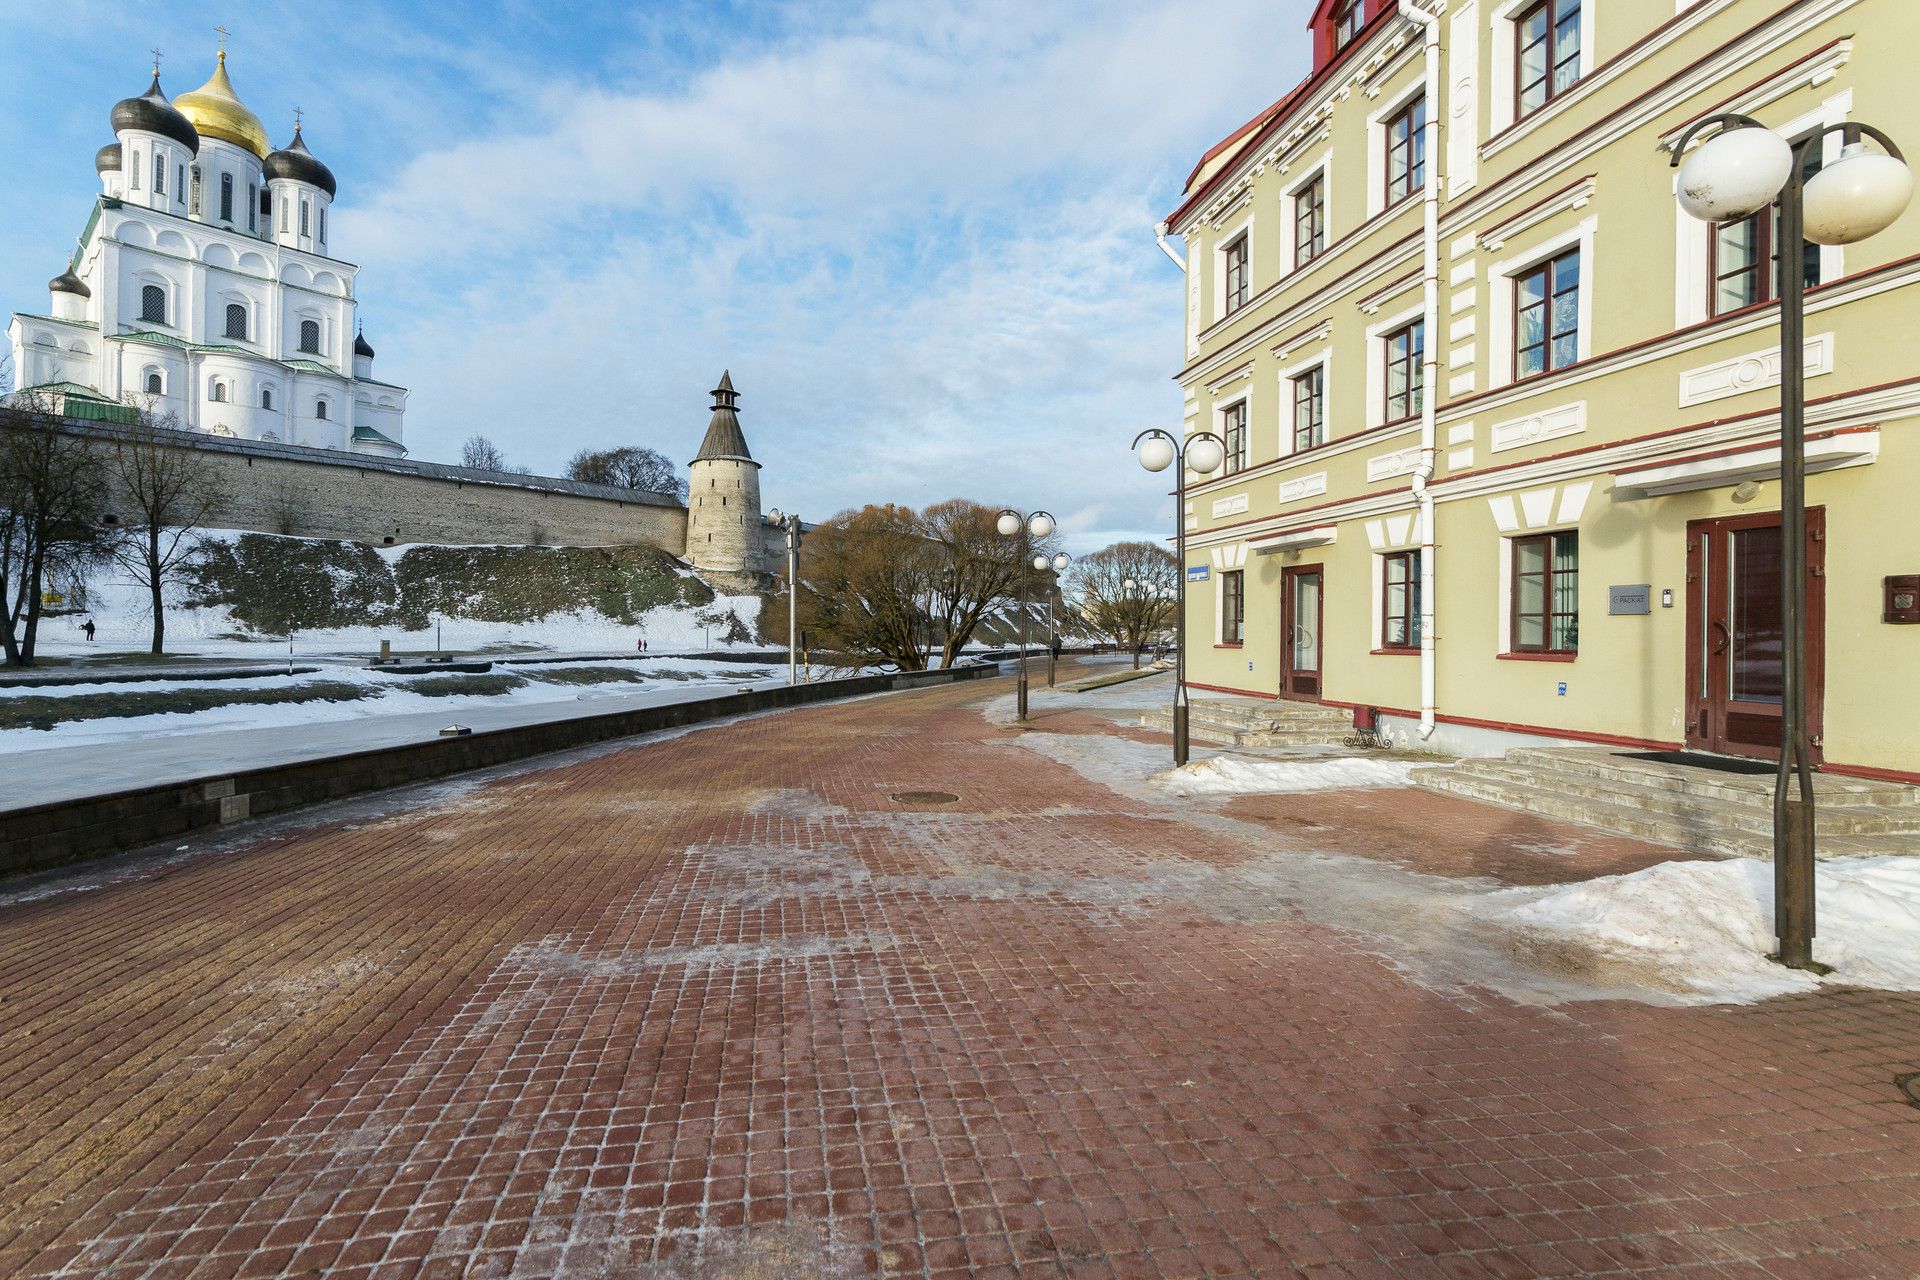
(372, 436)
(85, 403)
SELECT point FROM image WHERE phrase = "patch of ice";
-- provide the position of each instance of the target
(1704, 928)
(1242, 775)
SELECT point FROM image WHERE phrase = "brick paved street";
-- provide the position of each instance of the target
(721, 1005)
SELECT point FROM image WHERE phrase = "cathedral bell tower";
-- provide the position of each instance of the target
(723, 494)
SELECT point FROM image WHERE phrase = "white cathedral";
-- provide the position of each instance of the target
(205, 286)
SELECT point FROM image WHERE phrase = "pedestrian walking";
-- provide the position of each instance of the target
(89, 630)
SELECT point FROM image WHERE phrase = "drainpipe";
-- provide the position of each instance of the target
(1160, 234)
(1430, 281)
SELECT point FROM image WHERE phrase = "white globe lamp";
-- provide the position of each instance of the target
(1061, 561)
(1859, 195)
(1040, 525)
(1204, 456)
(1735, 174)
(1040, 563)
(1008, 524)
(1157, 454)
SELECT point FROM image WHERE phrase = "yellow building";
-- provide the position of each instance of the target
(1503, 421)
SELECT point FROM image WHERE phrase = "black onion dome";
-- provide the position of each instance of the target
(361, 347)
(152, 113)
(296, 162)
(67, 282)
(107, 158)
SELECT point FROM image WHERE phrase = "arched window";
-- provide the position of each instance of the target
(219, 393)
(306, 213)
(320, 409)
(310, 336)
(153, 303)
(266, 397)
(154, 385)
(159, 173)
(226, 197)
(236, 321)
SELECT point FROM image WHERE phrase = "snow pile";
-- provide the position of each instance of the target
(1704, 928)
(1241, 775)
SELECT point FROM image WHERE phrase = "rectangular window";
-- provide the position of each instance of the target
(1548, 49)
(1745, 256)
(159, 173)
(1346, 23)
(1546, 593)
(253, 207)
(323, 226)
(1233, 429)
(1310, 222)
(1310, 408)
(1233, 607)
(226, 197)
(1546, 302)
(306, 211)
(283, 216)
(193, 201)
(1400, 600)
(1406, 351)
(180, 185)
(1407, 151)
(1236, 275)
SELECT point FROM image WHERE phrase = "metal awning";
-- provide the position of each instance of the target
(1722, 468)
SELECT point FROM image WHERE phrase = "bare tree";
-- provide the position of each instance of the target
(629, 467)
(52, 489)
(977, 565)
(1126, 591)
(169, 492)
(482, 454)
(868, 575)
(6, 370)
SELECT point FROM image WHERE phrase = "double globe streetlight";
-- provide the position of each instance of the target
(1059, 565)
(1202, 454)
(1740, 170)
(1029, 529)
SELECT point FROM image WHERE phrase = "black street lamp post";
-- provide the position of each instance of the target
(1203, 453)
(1741, 170)
(1028, 528)
(789, 524)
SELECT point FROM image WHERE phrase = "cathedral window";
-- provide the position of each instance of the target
(159, 173)
(219, 393)
(320, 409)
(154, 385)
(133, 174)
(283, 217)
(236, 321)
(306, 212)
(253, 209)
(153, 303)
(193, 200)
(310, 337)
(180, 179)
(226, 197)
(323, 226)
(266, 397)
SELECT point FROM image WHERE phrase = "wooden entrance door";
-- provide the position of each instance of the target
(1302, 609)
(1736, 643)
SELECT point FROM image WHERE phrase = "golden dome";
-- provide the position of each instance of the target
(217, 112)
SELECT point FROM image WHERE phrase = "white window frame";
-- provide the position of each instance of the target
(1692, 290)
(169, 299)
(1220, 246)
(1377, 146)
(1506, 52)
(1244, 401)
(1377, 361)
(153, 371)
(1322, 170)
(1288, 375)
(1502, 280)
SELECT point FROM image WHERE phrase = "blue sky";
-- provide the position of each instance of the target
(919, 233)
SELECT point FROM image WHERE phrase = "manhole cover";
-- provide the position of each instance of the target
(924, 797)
(1910, 1085)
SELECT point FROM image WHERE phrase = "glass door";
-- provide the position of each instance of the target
(1302, 612)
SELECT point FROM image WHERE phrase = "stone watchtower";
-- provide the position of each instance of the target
(723, 494)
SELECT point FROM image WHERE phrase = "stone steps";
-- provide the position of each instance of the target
(1699, 810)
(1256, 724)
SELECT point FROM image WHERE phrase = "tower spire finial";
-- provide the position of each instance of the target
(224, 33)
(156, 63)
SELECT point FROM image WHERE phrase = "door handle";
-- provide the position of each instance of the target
(1726, 636)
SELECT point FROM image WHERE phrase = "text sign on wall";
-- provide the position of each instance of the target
(1633, 599)
(1198, 572)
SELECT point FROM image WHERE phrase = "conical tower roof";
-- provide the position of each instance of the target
(724, 437)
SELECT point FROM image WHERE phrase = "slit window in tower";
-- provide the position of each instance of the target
(159, 173)
(266, 397)
(310, 337)
(193, 200)
(180, 179)
(283, 217)
(236, 321)
(153, 303)
(253, 209)
(133, 174)
(323, 226)
(226, 197)
(306, 211)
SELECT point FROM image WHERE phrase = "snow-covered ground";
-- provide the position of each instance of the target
(1246, 775)
(1705, 927)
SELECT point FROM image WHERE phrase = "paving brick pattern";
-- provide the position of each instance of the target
(721, 1006)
